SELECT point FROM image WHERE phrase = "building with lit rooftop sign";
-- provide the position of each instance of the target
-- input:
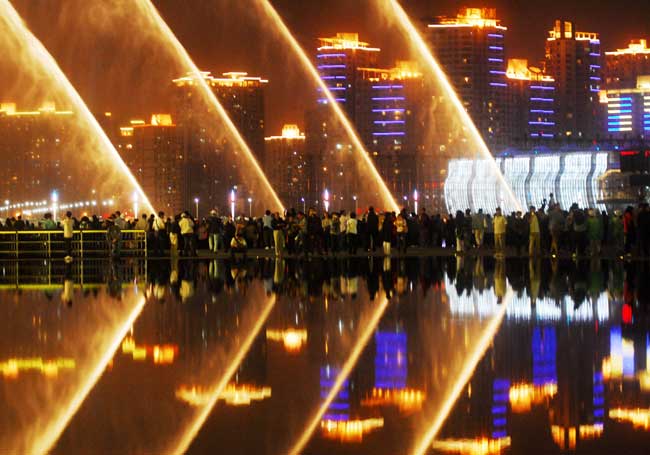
(573, 59)
(624, 66)
(471, 49)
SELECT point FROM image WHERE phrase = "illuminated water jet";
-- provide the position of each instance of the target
(482, 344)
(351, 361)
(149, 11)
(41, 406)
(394, 9)
(213, 396)
(387, 199)
(37, 52)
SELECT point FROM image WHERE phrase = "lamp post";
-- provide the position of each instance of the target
(232, 203)
(415, 199)
(326, 200)
(135, 205)
(405, 201)
(356, 204)
(55, 199)
(196, 208)
(250, 207)
(304, 205)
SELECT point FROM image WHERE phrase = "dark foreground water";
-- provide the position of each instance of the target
(426, 355)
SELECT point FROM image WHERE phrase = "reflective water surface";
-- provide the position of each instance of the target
(422, 355)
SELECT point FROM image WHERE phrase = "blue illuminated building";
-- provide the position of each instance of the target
(390, 360)
(628, 111)
(339, 409)
(531, 104)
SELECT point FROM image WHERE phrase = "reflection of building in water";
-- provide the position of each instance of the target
(159, 354)
(232, 394)
(11, 368)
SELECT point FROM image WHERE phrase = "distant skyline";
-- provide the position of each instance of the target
(224, 35)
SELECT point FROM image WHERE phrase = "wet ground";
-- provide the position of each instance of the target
(356, 355)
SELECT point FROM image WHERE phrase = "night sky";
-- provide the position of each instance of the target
(116, 69)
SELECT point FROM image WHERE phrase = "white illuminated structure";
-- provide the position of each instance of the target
(485, 181)
(542, 181)
(572, 178)
(516, 173)
(457, 188)
(600, 167)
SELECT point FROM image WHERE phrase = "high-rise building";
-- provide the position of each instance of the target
(628, 111)
(531, 104)
(154, 153)
(389, 121)
(337, 61)
(471, 50)
(288, 167)
(213, 163)
(573, 59)
(624, 66)
(39, 154)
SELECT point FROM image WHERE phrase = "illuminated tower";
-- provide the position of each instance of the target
(573, 60)
(624, 66)
(531, 104)
(287, 167)
(470, 48)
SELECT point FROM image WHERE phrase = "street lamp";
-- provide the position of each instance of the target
(356, 204)
(196, 207)
(415, 198)
(326, 200)
(304, 206)
(232, 203)
(250, 207)
(55, 199)
(135, 204)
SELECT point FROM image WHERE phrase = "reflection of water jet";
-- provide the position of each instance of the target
(464, 375)
(148, 10)
(394, 9)
(51, 434)
(217, 391)
(42, 58)
(386, 198)
(349, 364)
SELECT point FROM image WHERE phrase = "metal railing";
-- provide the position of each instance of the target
(17, 244)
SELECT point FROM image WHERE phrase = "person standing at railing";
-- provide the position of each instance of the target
(68, 228)
(159, 234)
(48, 223)
(187, 231)
(114, 237)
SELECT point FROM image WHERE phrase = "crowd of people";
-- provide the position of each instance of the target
(545, 230)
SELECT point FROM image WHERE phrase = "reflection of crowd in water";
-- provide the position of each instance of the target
(295, 278)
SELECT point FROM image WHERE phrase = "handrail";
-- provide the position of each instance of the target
(40, 242)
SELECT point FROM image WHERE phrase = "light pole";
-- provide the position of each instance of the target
(405, 201)
(326, 200)
(356, 204)
(304, 205)
(250, 207)
(415, 198)
(232, 203)
(55, 199)
(135, 205)
(196, 208)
